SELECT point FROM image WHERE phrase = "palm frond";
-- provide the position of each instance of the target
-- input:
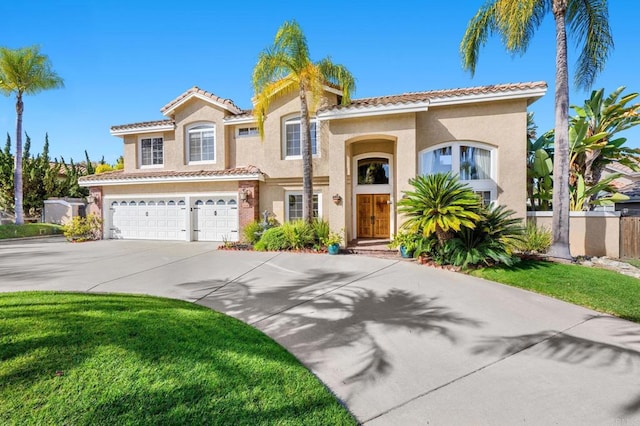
(589, 24)
(481, 26)
(338, 75)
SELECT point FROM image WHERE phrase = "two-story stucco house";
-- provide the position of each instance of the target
(204, 172)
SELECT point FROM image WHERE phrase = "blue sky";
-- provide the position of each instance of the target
(124, 60)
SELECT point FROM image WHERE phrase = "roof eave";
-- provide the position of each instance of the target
(532, 95)
(370, 111)
(171, 179)
(145, 129)
(168, 112)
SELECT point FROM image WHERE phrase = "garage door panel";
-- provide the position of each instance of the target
(147, 219)
(216, 219)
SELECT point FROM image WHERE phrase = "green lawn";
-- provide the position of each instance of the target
(114, 359)
(28, 230)
(598, 289)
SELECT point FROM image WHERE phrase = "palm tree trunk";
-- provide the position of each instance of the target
(560, 225)
(17, 177)
(307, 163)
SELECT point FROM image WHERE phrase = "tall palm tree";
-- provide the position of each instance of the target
(284, 68)
(516, 22)
(24, 71)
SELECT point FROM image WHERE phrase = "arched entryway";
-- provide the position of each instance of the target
(372, 180)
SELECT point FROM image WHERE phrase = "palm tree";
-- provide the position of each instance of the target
(516, 22)
(24, 71)
(439, 204)
(285, 67)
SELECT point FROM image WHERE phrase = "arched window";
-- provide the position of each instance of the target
(201, 143)
(291, 144)
(474, 163)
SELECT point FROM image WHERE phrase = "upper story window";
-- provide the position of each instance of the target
(151, 152)
(292, 146)
(201, 143)
(474, 163)
(247, 131)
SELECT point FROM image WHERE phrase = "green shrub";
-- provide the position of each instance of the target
(252, 232)
(272, 239)
(535, 239)
(299, 234)
(494, 238)
(321, 230)
(83, 228)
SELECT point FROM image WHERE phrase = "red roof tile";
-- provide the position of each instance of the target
(413, 97)
(228, 103)
(121, 175)
(141, 125)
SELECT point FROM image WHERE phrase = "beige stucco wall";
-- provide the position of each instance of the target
(499, 124)
(272, 195)
(590, 233)
(132, 151)
(57, 213)
(268, 154)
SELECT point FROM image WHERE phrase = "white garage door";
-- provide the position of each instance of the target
(215, 219)
(148, 219)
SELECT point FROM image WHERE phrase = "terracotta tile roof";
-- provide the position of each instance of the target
(141, 125)
(121, 175)
(228, 103)
(413, 97)
(620, 168)
(631, 190)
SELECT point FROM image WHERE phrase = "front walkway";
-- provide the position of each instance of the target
(399, 343)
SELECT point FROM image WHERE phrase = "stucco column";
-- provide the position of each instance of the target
(95, 207)
(406, 167)
(337, 214)
(249, 207)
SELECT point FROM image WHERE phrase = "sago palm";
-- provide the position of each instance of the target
(439, 204)
(516, 22)
(285, 68)
(24, 71)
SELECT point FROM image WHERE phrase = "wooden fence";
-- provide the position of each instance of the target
(630, 237)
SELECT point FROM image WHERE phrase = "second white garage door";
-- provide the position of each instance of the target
(215, 219)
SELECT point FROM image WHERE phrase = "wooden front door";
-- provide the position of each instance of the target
(373, 215)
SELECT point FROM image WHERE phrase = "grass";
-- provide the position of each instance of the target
(28, 230)
(68, 358)
(598, 289)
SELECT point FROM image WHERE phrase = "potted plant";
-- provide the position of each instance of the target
(406, 242)
(332, 242)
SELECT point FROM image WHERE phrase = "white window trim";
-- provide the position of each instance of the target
(191, 127)
(291, 120)
(150, 136)
(477, 185)
(286, 202)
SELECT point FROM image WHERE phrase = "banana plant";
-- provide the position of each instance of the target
(602, 193)
(539, 170)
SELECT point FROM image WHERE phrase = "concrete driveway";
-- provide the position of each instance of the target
(399, 343)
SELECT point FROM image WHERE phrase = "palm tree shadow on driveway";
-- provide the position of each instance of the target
(321, 311)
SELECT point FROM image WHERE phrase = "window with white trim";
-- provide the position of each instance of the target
(294, 205)
(474, 163)
(151, 151)
(201, 143)
(292, 146)
(244, 132)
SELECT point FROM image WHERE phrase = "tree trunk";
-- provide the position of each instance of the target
(307, 158)
(560, 225)
(17, 177)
